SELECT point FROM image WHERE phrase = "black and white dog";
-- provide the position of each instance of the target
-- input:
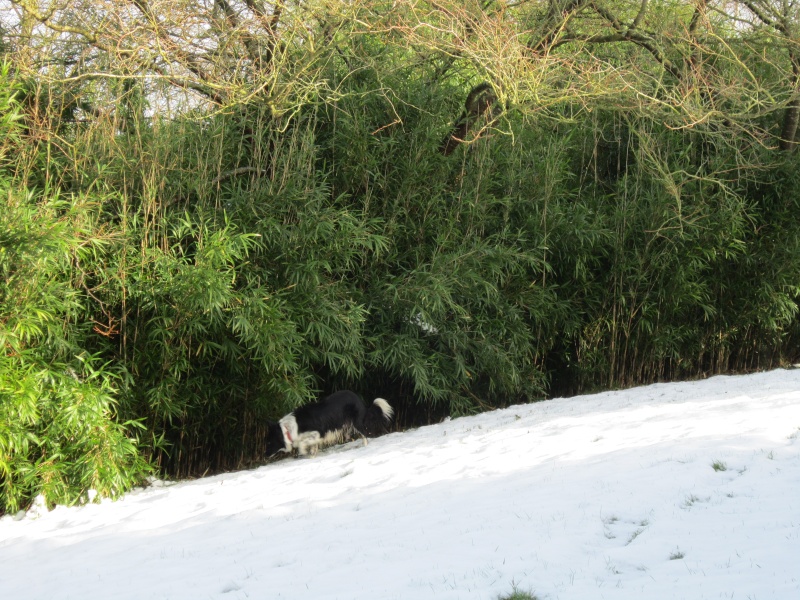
(332, 420)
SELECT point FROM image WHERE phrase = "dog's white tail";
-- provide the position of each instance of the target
(386, 409)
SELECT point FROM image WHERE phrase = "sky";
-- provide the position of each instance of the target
(669, 491)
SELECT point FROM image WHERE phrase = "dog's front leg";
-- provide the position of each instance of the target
(308, 440)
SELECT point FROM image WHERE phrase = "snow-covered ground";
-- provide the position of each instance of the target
(670, 491)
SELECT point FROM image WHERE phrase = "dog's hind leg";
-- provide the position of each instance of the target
(353, 431)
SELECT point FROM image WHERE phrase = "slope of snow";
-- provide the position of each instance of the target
(613, 495)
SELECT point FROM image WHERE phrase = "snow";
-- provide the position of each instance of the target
(613, 495)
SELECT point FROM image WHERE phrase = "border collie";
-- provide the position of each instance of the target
(333, 420)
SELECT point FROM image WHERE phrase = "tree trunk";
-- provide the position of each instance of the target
(791, 117)
(790, 120)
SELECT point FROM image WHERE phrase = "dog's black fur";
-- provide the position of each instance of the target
(334, 419)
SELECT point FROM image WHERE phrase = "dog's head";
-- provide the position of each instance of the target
(289, 431)
(276, 440)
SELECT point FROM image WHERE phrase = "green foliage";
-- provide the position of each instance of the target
(59, 436)
(195, 332)
(9, 117)
(171, 282)
(517, 594)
